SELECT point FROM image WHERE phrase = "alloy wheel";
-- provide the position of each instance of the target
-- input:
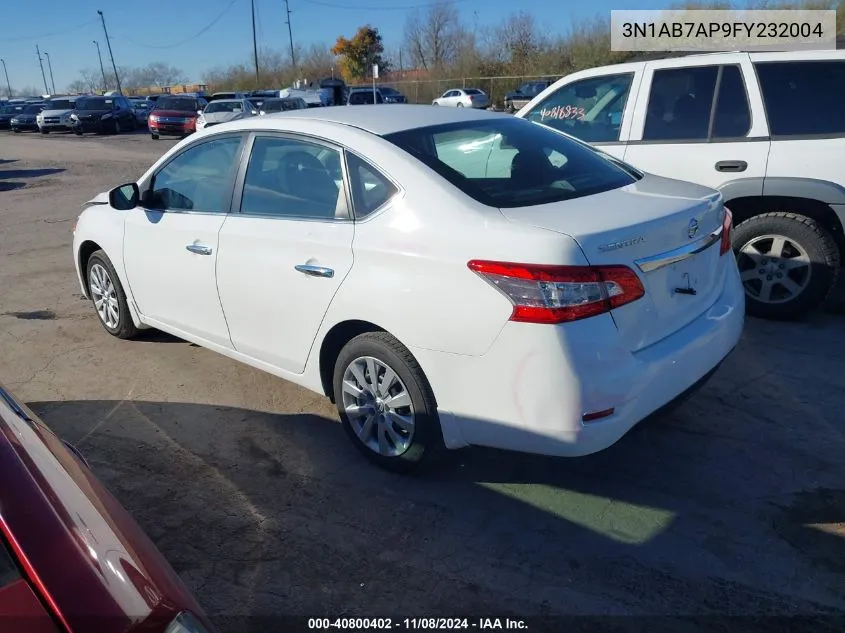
(104, 295)
(774, 268)
(378, 406)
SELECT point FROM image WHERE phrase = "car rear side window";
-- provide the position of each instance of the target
(803, 98)
(8, 570)
(507, 162)
(370, 188)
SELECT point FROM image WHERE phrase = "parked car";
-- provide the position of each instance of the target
(281, 105)
(102, 115)
(227, 95)
(141, 109)
(391, 95)
(8, 112)
(175, 116)
(56, 115)
(26, 119)
(517, 98)
(778, 172)
(71, 558)
(463, 98)
(364, 96)
(518, 226)
(224, 110)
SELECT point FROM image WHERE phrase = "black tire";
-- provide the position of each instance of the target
(16, 130)
(821, 250)
(427, 440)
(125, 328)
(155, 137)
(78, 132)
(43, 131)
(115, 127)
(460, 105)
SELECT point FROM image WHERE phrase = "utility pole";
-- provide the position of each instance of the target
(50, 67)
(102, 70)
(290, 35)
(43, 76)
(108, 43)
(6, 72)
(255, 47)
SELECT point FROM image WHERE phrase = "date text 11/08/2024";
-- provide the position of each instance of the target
(416, 624)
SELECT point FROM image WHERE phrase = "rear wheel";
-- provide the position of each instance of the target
(386, 404)
(788, 264)
(114, 127)
(460, 105)
(154, 137)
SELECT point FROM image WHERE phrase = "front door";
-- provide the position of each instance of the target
(285, 249)
(678, 133)
(171, 241)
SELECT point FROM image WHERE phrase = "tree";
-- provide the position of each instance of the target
(77, 87)
(433, 39)
(360, 53)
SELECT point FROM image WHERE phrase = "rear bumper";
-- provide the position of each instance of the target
(530, 391)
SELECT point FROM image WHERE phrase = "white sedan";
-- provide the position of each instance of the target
(225, 110)
(463, 98)
(447, 277)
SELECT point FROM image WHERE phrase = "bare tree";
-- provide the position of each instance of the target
(520, 39)
(433, 38)
(77, 86)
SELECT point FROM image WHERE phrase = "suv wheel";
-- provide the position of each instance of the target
(788, 264)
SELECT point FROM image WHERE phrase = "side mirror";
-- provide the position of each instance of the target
(124, 197)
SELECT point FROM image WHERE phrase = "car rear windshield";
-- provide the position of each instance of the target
(224, 106)
(181, 104)
(95, 104)
(279, 105)
(511, 162)
(60, 104)
(473, 91)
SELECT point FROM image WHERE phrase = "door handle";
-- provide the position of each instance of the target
(199, 249)
(314, 271)
(731, 165)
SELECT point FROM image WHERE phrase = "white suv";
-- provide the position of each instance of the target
(766, 129)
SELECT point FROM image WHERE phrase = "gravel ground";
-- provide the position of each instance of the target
(733, 505)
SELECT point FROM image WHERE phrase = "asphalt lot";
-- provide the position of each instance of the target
(734, 504)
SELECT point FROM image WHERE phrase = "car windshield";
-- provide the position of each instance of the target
(180, 104)
(95, 104)
(388, 91)
(33, 109)
(224, 106)
(279, 105)
(511, 162)
(60, 104)
(473, 91)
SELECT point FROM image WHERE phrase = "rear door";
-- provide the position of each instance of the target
(596, 107)
(699, 121)
(285, 249)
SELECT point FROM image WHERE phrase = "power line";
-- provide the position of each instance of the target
(53, 33)
(332, 5)
(186, 40)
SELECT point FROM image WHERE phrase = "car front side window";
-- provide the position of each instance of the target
(198, 179)
(294, 178)
(589, 109)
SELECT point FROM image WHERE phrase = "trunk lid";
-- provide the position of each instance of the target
(664, 230)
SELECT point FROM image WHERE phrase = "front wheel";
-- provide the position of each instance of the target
(115, 127)
(43, 131)
(109, 299)
(788, 264)
(154, 137)
(386, 404)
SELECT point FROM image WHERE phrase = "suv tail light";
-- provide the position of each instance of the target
(727, 226)
(559, 294)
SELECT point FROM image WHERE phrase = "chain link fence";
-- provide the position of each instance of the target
(425, 90)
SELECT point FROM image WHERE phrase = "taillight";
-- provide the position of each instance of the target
(727, 225)
(558, 294)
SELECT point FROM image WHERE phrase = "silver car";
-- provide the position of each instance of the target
(141, 108)
(224, 110)
(56, 116)
(463, 98)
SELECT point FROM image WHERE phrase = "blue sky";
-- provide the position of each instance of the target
(143, 32)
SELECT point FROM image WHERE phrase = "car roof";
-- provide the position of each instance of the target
(239, 100)
(382, 119)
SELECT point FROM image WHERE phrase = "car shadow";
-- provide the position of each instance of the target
(29, 173)
(5, 185)
(268, 514)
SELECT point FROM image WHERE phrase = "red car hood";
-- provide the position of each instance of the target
(175, 113)
(80, 548)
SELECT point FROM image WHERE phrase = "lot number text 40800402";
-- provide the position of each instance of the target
(414, 624)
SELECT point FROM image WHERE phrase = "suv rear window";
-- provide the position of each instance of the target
(803, 97)
(511, 162)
